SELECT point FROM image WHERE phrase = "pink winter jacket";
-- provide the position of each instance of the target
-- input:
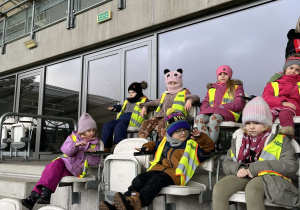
(288, 92)
(236, 106)
(76, 157)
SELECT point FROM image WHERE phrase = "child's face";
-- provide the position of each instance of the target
(172, 83)
(254, 129)
(91, 133)
(131, 94)
(292, 70)
(223, 77)
(181, 134)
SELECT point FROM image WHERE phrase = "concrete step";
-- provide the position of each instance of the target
(34, 168)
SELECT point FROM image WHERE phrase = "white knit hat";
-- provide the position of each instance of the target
(86, 122)
(257, 110)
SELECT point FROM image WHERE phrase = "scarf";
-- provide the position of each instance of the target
(251, 147)
(135, 99)
(173, 142)
(220, 84)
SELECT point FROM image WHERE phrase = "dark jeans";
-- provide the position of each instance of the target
(149, 184)
(119, 127)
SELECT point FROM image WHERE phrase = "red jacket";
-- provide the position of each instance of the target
(288, 92)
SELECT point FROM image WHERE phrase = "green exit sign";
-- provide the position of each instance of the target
(104, 16)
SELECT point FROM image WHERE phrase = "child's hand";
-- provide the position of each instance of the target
(111, 109)
(91, 150)
(188, 105)
(143, 111)
(81, 143)
(140, 149)
(195, 133)
(242, 173)
(249, 173)
(288, 104)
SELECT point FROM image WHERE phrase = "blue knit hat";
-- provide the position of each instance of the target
(175, 121)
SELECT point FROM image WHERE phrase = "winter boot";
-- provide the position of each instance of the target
(128, 203)
(31, 200)
(106, 206)
(45, 196)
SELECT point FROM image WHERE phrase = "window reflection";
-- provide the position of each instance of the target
(136, 69)
(104, 84)
(29, 94)
(61, 99)
(7, 90)
(252, 42)
(83, 4)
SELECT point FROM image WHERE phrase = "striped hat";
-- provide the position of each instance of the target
(291, 61)
(257, 110)
(175, 121)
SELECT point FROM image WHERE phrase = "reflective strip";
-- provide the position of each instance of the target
(227, 100)
(136, 123)
(184, 172)
(274, 173)
(158, 153)
(179, 103)
(211, 96)
(267, 156)
(160, 103)
(275, 86)
(123, 109)
(298, 86)
(233, 157)
(135, 112)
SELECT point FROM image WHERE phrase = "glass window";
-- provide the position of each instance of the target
(29, 94)
(83, 4)
(61, 99)
(104, 84)
(136, 68)
(1, 29)
(252, 42)
(49, 11)
(7, 91)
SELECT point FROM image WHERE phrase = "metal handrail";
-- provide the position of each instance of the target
(34, 116)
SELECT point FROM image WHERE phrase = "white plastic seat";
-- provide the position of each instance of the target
(192, 187)
(122, 166)
(8, 122)
(50, 208)
(239, 197)
(10, 204)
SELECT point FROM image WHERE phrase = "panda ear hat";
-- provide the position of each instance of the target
(166, 71)
(180, 71)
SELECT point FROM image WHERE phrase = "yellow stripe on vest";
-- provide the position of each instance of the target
(275, 86)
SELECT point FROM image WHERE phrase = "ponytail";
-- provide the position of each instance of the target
(231, 88)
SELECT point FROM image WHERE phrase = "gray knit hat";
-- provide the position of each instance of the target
(257, 110)
(86, 122)
(291, 61)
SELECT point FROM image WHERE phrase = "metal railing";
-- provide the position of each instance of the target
(14, 114)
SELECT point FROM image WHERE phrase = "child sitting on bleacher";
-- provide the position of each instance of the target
(256, 153)
(282, 94)
(175, 96)
(129, 114)
(73, 162)
(170, 165)
(223, 102)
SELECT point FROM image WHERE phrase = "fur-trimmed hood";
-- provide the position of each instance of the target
(236, 82)
(287, 130)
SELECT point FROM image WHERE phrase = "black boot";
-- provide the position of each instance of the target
(45, 196)
(31, 200)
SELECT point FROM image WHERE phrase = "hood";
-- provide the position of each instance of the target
(293, 35)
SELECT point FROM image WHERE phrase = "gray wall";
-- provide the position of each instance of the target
(139, 16)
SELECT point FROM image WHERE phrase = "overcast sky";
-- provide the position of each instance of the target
(252, 42)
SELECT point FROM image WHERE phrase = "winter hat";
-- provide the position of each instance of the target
(173, 76)
(225, 69)
(138, 87)
(175, 121)
(291, 61)
(86, 122)
(257, 110)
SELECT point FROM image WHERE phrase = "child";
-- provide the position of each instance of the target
(255, 153)
(74, 162)
(223, 102)
(129, 115)
(169, 164)
(175, 96)
(282, 94)
(293, 45)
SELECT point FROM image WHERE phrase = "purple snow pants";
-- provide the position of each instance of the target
(52, 175)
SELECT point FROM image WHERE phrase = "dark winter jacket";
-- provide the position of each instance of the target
(290, 47)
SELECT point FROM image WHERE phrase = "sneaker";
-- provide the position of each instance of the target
(45, 196)
(31, 200)
(106, 206)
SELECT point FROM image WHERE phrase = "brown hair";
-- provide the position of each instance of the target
(297, 29)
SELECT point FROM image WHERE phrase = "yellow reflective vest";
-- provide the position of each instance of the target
(178, 103)
(225, 100)
(136, 120)
(86, 164)
(275, 86)
(187, 164)
(270, 152)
